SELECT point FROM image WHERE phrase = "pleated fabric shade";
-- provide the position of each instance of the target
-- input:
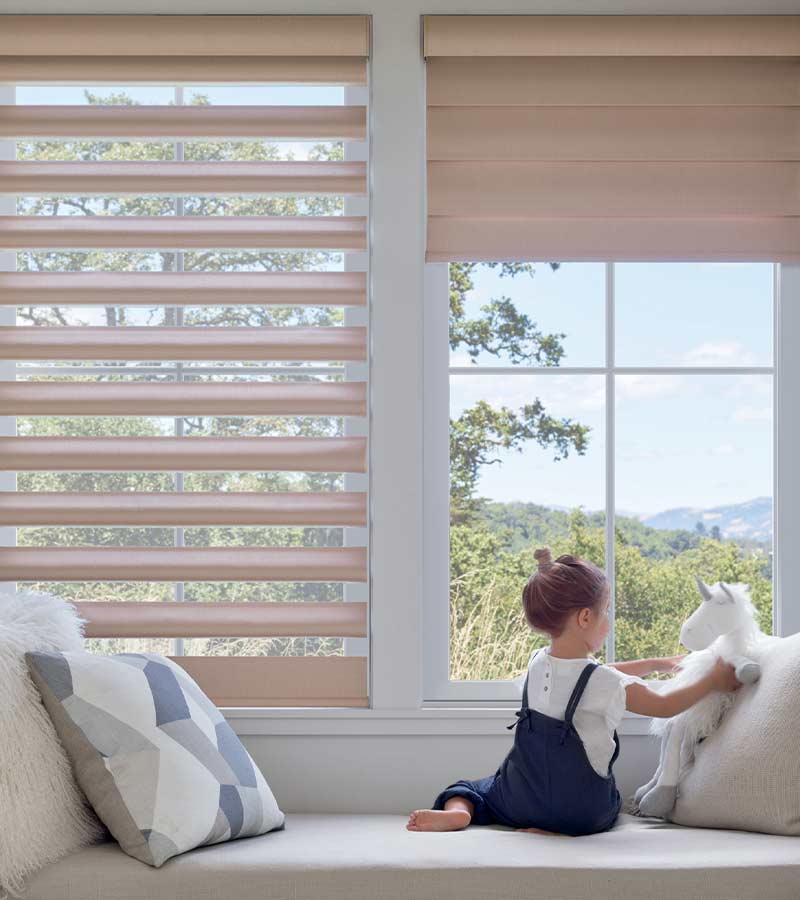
(579, 138)
(243, 50)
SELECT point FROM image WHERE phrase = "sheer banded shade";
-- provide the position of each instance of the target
(613, 137)
(257, 363)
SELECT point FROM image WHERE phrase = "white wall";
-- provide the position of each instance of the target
(372, 760)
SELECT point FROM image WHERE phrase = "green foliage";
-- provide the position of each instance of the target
(480, 431)
(655, 586)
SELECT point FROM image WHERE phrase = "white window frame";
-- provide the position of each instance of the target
(437, 685)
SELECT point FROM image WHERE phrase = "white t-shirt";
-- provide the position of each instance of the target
(550, 683)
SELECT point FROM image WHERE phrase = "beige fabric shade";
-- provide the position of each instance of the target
(233, 398)
(206, 50)
(195, 454)
(183, 288)
(176, 36)
(613, 137)
(183, 178)
(183, 70)
(280, 680)
(137, 342)
(183, 508)
(183, 564)
(176, 232)
(181, 123)
(319, 619)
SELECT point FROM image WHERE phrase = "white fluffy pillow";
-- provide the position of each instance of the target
(746, 775)
(43, 814)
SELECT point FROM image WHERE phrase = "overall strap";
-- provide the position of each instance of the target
(577, 692)
(525, 686)
(523, 711)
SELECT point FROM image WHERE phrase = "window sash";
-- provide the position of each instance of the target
(438, 688)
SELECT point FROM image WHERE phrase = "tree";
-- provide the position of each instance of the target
(480, 431)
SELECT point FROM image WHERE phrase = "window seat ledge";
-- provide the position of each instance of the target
(366, 856)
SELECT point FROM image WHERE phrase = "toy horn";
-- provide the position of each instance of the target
(727, 591)
(706, 593)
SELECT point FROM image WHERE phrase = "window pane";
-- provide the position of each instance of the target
(693, 314)
(527, 314)
(526, 469)
(693, 495)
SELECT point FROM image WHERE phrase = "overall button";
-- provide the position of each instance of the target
(545, 687)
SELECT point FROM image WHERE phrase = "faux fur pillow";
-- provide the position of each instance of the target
(746, 775)
(43, 815)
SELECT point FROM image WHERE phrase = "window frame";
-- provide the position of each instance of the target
(438, 688)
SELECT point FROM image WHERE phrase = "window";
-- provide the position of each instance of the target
(623, 412)
(219, 513)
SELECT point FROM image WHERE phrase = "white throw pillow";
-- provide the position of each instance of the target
(157, 760)
(746, 775)
(43, 814)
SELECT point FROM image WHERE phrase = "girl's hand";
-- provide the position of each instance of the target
(723, 676)
(668, 663)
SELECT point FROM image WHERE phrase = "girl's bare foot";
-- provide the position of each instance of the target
(438, 820)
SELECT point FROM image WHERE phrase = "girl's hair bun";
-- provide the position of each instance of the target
(543, 557)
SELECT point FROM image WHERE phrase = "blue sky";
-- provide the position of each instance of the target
(682, 440)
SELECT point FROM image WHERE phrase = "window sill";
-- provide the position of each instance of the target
(378, 722)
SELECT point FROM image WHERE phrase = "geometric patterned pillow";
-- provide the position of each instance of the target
(156, 759)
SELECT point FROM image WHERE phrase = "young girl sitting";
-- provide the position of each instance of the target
(557, 778)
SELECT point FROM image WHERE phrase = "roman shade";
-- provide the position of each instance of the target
(211, 364)
(613, 137)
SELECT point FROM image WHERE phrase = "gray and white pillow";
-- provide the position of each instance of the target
(158, 762)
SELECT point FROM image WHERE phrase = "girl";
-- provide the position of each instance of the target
(557, 778)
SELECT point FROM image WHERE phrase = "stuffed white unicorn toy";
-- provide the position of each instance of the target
(722, 625)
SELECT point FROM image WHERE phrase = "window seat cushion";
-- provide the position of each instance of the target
(362, 857)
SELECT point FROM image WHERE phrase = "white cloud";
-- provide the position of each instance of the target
(745, 414)
(724, 450)
(562, 395)
(720, 353)
(642, 387)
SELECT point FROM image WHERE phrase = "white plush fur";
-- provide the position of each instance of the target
(723, 625)
(43, 815)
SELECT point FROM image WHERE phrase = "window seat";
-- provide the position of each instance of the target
(362, 857)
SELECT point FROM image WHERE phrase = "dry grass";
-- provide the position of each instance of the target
(489, 636)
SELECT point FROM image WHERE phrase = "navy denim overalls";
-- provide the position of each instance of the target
(546, 780)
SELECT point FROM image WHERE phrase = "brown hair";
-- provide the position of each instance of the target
(558, 588)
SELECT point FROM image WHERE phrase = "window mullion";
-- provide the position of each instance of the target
(8, 316)
(179, 587)
(610, 457)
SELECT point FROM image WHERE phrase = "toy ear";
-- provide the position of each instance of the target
(704, 589)
(727, 590)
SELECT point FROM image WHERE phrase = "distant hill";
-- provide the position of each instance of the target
(750, 520)
(659, 536)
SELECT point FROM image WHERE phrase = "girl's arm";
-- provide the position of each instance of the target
(646, 666)
(645, 702)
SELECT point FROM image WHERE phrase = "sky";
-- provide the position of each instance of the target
(680, 440)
